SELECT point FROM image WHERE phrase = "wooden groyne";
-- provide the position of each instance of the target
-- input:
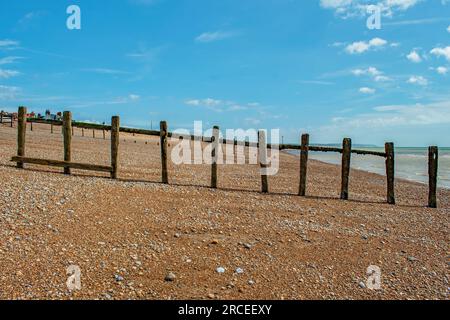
(304, 147)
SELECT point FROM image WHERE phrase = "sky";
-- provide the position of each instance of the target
(300, 66)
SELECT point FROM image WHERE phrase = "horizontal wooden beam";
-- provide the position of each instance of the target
(156, 133)
(62, 164)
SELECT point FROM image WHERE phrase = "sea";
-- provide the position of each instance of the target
(410, 163)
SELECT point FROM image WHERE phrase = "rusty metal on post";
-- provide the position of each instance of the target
(433, 156)
(390, 172)
(214, 156)
(21, 133)
(346, 157)
(303, 164)
(163, 142)
(115, 129)
(67, 134)
(263, 162)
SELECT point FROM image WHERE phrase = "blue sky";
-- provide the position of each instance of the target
(301, 66)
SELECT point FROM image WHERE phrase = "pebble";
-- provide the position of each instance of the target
(170, 277)
(239, 270)
(118, 278)
(362, 285)
(220, 270)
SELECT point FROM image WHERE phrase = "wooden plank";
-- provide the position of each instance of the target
(62, 164)
(346, 157)
(67, 135)
(214, 156)
(263, 162)
(163, 141)
(115, 137)
(390, 172)
(303, 164)
(433, 156)
(21, 134)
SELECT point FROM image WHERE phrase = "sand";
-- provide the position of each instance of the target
(126, 236)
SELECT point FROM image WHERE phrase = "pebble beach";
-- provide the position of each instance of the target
(135, 238)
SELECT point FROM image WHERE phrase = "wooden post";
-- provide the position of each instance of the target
(67, 134)
(262, 145)
(31, 126)
(303, 164)
(21, 133)
(82, 132)
(390, 172)
(104, 134)
(433, 155)
(12, 120)
(214, 156)
(163, 137)
(115, 129)
(73, 132)
(346, 157)
(93, 134)
(51, 128)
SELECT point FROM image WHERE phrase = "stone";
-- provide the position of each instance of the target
(220, 270)
(170, 277)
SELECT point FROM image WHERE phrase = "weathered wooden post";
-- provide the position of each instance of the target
(346, 157)
(262, 145)
(303, 164)
(115, 129)
(73, 131)
(82, 132)
(21, 133)
(104, 134)
(31, 125)
(67, 134)
(51, 128)
(433, 155)
(163, 138)
(390, 172)
(93, 134)
(12, 120)
(214, 156)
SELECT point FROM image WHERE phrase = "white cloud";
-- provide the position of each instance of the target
(8, 43)
(445, 52)
(105, 71)
(448, 29)
(418, 80)
(208, 102)
(6, 74)
(413, 56)
(370, 71)
(214, 36)
(442, 70)
(358, 8)
(9, 60)
(363, 46)
(367, 90)
(8, 93)
(222, 106)
(373, 72)
(134, 97)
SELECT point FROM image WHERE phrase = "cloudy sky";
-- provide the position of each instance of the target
(301, 66)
